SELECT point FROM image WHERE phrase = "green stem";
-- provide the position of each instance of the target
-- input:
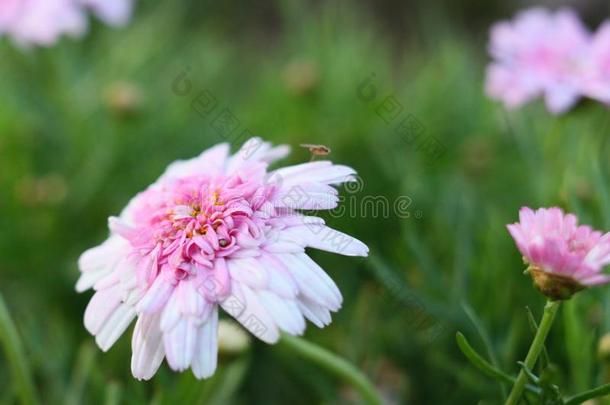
(14, 353)
(550, 309)
(584, 396)
(334, 364)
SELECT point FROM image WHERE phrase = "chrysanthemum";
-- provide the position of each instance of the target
(43, 22)
(538, 53)
(597, 85)
(563, 257)
(112, 12)
(216, 230)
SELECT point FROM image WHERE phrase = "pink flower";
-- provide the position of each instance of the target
(563, 257)
(538, 53)
(40, 22)
(597, 84)
(216, 230)
(112, 12)
(43, 22)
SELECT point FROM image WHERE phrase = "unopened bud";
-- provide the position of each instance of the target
(231, 338)
(603, 348)
(124, 98)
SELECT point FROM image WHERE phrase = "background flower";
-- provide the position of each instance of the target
(538, 53)
(43, 22)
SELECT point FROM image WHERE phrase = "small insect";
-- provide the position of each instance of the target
(316, 150)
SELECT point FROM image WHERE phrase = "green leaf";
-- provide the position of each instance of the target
(82, 369)
(484, 366)
(590, 394)
(480, 328)
(545, 360)
(16, 357)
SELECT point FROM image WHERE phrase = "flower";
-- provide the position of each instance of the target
(539, 53)
(112, 12)
(43, 22)
(597, 84)
(216, 230)
(563, 257)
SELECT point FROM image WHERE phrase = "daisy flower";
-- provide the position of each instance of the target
(539, 53)
(43, 22)
(40, 22)
(216, 231)
(598, 81)
(563, 257)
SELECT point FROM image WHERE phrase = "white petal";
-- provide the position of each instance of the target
(115, 326)
(107, 281)
(156, 296)
(311, 285)
(100, 308)
(251, 313)
(248, 271)
(179, 344)
(322, 172)
(322, 237)
(206, 347)
(211, 161)
(280, 281)
(316, 313)
(321, 274)
(283, 246)
(171, 313)
(192, 302)
(256, 150)
(100, 257)
(147, 347)
(285, 312)
(98, 262)
(88, 279)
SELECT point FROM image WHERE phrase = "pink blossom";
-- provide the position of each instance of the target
(538, 53)
(558, 249)
(40, 22)
(43, 22)
(112, 12)
(216, 231)
(597, 85)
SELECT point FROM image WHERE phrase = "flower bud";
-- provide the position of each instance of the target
(124, 98)
(603, 347)
(553, 285)
(231, 338)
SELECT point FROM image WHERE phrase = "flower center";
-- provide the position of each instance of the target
(184, 226)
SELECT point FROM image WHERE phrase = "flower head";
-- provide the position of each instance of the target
(563, 257)
(43, 22)
(538, 53)
(597, 83)
(216, 231)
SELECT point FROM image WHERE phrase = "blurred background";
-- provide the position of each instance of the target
(395, 89)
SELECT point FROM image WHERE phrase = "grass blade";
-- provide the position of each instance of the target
(82, 369)
(16, 357)
(478, 325)
(484, 366)
(590, 394)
